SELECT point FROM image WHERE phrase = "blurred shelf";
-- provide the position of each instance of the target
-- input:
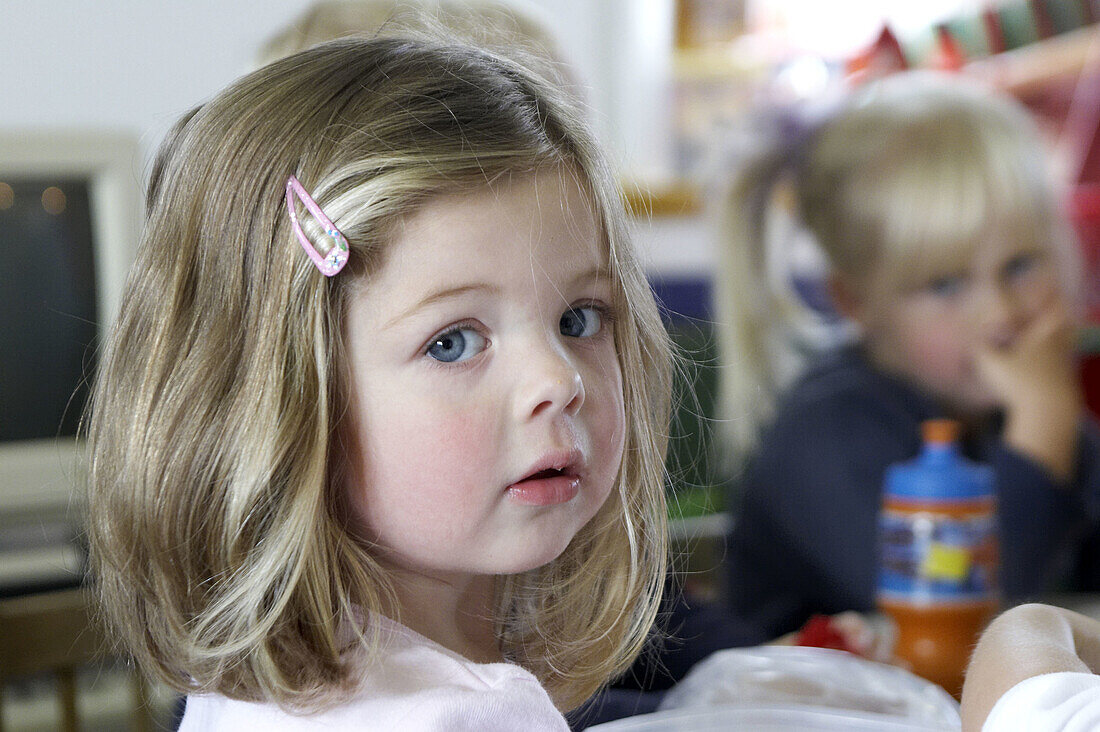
(662, 199)
(104, 698)
(44, 566)
(740, 59)
(698, 550)
(694, 528)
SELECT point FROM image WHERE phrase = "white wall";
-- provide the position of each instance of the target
(124, 63)
(137, 65)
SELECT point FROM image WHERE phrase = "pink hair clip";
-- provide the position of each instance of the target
(337, 257)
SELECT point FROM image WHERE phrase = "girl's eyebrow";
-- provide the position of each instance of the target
(595, 274)
(444, 294)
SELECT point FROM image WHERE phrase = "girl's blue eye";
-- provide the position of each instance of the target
(456, 345)
(947, 286)
(582, 322)
(1020, 265)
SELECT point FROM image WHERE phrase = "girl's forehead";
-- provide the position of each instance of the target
(520, 202)
(986, 252)
(530, 228)
(944, 229)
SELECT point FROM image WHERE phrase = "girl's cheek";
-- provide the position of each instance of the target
(603, 416)
(1037, 296)
(614, 439)
(939, 352)
(458, 438)
(614, 413)
(941, 359)
(422, 442)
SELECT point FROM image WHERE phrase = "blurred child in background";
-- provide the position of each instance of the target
(947, 249)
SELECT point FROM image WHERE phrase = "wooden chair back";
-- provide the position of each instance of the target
(57, 632)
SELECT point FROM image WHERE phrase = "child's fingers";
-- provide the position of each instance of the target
(857, 632)
(1049, 344)
(1052, 326)
(1052, 323)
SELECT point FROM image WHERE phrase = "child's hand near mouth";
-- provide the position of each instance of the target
(1034, 377)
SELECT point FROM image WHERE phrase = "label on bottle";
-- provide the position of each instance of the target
(928, 557)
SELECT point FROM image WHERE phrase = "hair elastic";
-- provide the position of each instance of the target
(337, 257)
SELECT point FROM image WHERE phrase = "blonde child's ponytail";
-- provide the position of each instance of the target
(761, 325)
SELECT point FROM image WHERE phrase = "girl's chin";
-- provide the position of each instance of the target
(971, 404)
(533, 560)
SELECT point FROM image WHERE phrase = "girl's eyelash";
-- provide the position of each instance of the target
(607, 313)
(452, 328)
(944, 283)
(1022, 261)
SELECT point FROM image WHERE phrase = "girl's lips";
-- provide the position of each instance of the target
(545, 491)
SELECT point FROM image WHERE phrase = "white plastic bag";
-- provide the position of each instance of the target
(768, 688)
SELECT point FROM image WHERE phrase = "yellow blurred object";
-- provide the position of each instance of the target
(945, 561)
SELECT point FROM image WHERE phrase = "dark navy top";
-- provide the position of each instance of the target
(804, 537)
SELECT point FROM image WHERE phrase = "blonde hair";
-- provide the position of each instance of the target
(897, 185)
(219, 542)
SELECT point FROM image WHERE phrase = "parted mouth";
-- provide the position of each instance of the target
(565, 463)
(553, 480)
(549, 473)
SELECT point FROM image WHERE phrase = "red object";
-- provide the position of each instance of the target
(994, 33)
(1084, 211)
(948, 54)
(1082, 130)
(1044, 26)
(820, 632)
(882, 58)
(1089, 370)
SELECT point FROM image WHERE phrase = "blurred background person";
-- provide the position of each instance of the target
(947, 248)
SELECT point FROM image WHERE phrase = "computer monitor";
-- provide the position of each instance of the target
(70, 212)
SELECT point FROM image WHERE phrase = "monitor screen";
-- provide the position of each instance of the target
(70, 212)
(48, 313)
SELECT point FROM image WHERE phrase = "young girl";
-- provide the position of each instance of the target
(378, 439)
(947, 249)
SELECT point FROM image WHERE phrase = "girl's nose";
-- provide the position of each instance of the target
(553, 384)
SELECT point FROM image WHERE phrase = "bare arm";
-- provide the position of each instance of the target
(1026, 641)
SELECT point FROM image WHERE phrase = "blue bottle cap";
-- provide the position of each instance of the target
(938, 473)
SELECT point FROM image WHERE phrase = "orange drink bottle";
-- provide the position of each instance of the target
(938, 556)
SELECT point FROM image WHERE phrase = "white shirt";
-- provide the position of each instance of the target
(417, 685)
(1059, 702)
